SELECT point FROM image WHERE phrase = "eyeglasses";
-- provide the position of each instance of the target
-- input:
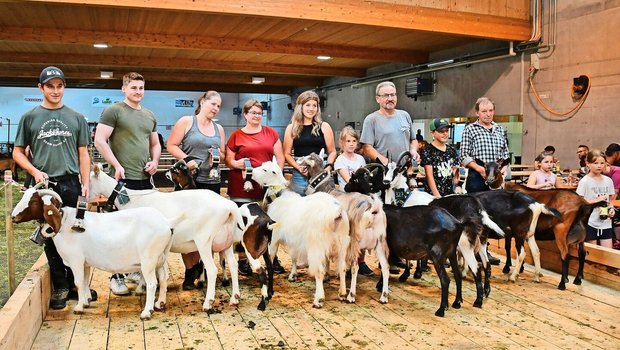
(255, 113)
(386, 96)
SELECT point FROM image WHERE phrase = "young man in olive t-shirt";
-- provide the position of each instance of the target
(133, 149)
(58, 138)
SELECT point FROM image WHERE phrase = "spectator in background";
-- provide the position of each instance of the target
(418, 135)
(198, 139)
(307, 133)
(257, 144)
(582, 153)
(57, 136)
(483, 140)
(612, 154)
(549, 150)
(543, 178)
(133, 150)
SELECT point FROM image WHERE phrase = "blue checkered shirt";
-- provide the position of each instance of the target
(488, 145)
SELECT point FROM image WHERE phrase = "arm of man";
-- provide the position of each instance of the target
(101, 143)
(84, 160)
(155, 151)
(413, 149)
(21, 158)
(369, 151)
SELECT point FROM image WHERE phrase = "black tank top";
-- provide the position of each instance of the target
(307, 143)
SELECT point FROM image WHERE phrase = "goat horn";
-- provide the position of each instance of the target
(51, 193)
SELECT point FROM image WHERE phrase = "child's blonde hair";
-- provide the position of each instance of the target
(348, 131)
(593, 155)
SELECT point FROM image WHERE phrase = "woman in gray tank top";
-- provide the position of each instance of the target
(200, 141)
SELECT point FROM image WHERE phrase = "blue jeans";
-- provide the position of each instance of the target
(299, 183)
(475, 182)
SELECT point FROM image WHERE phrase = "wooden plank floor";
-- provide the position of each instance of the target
(517, 315)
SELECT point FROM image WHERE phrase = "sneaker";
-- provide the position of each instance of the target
(118, 286)
(365, 270)
(133, 277)
(277, 268)
(59, 299)
(244, 267)
(493, 260)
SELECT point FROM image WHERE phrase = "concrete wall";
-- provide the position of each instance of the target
(586, 43)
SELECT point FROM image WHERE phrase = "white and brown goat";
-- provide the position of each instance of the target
(367, 222)
(128, 241)
(312, 244)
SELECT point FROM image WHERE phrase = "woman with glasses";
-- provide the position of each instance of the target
(250, 146)
(307, 133)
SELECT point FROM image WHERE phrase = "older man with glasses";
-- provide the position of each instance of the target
(386, 134)
(388, 131)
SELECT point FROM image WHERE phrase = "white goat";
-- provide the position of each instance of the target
(129, 241)
(210, 223)
(313, 228)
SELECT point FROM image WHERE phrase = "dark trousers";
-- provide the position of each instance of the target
(68, 187)
(475, 182)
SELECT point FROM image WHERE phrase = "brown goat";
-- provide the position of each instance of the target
(570, 229)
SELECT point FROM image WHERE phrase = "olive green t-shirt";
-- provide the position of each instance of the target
(54, 136)
(130, 140)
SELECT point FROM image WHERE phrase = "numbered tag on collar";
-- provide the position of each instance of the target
(123, 197)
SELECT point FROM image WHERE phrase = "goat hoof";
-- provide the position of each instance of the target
(78, 311)
(145, 315)
(506, 269)
(577, 281)
(342, 297)
(456, 305)
(318, 304)
(351, 299)
(512, 278)
(292, 278)
(225, 283)
(478, 303)
(440, 313)
(160, 306)
(383, 299)
(262, 306)
(234, 300)
(561, 286)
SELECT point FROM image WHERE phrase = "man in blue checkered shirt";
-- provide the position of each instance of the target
(484, 140)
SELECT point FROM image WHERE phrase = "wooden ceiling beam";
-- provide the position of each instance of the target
(373, 13)
(177, 63)
(202, 77)
(196, 42)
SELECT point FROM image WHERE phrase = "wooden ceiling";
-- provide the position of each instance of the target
(221, 45)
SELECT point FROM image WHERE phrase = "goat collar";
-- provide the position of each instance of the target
(317, 181)
(120, 192)
(272, 193)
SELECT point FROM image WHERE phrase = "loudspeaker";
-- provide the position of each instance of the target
(290, 106)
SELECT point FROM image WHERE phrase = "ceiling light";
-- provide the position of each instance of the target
(440, 63)
(323, 58)
(106, 74)
(258, 80)
(101, 45)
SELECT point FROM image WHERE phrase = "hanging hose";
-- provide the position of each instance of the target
(560, 114)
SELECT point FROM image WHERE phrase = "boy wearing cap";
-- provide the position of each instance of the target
(439, 160)
(58, 138)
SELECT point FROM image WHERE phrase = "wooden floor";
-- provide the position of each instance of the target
(517, 315)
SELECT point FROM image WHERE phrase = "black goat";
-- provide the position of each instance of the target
(419, 232)
(368, 179)
(182, 177)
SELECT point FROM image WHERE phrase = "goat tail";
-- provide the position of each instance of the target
(537, 209)
(488, 222)
(552, 211)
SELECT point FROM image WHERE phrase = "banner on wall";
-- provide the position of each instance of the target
(33, 100)
(103, 101)
(184, 103)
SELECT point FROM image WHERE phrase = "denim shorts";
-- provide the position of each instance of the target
(299, 183)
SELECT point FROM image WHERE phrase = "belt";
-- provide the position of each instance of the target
(63, 177)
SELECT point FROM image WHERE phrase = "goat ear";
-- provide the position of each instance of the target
(51, 214)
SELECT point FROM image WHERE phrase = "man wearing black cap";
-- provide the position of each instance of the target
(58, 138)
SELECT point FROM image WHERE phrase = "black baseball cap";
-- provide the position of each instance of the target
(439, 123)
(50, 73)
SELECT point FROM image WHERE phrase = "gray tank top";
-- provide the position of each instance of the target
(197, 144)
